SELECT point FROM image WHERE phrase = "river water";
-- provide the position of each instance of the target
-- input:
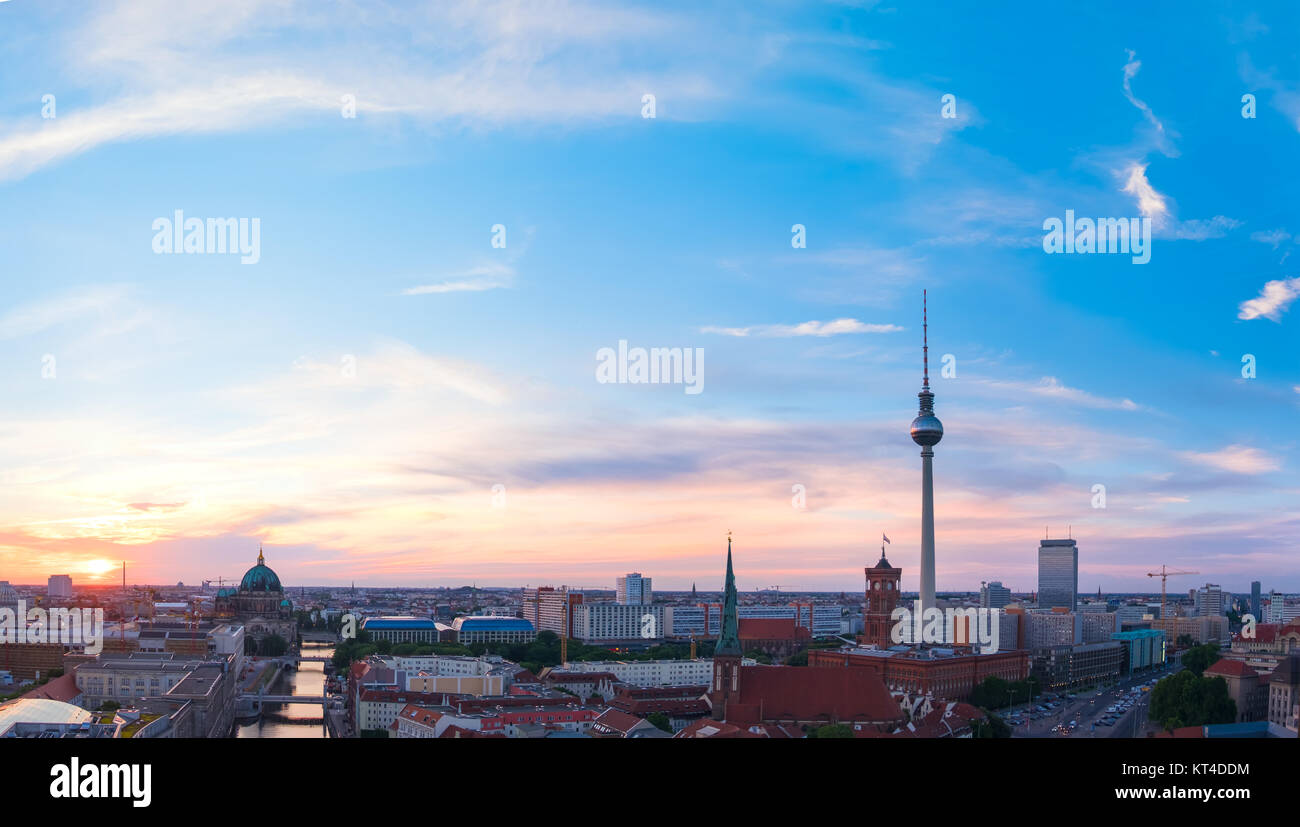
(293, 720)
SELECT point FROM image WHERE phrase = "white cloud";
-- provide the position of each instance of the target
(1154, 205)
(486, 277)
(1238, 459)
(104, 301)
(1150, 203)
(246, 64)
(1199, 229)
(812, 328)
(1273, 237)
(1161, 138)
(1272, 301)
(1052, 388)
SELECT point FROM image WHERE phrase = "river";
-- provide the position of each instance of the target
(293, 720)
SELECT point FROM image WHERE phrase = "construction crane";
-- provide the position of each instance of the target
(1164, 574)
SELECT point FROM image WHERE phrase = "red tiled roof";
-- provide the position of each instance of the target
(812, 693)
(614, 720)
(709, 728)
(420, 715)
(1232, 668)
(63, 688)
(668, 706)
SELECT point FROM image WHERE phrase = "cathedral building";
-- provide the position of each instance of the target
(260, 605)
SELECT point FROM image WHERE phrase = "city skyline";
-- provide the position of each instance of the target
(386, 398)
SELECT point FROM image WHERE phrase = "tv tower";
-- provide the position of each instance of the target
(927, 430)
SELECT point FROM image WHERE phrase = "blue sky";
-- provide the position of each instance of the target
(199, 407)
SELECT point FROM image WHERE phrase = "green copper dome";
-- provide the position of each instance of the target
(260, 578)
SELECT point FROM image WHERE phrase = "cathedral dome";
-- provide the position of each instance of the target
(260, 578)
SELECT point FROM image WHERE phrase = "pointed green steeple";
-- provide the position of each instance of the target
(729, 639)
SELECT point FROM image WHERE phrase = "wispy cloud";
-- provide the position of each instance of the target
(485, 277)
(813, 328)
(100, 301)
(1052, 388)
(228, 68)
(1150, 203)
(1237, 459)
(1155, 206)
(1162, 140)
(1272, 301)
(1272, 237)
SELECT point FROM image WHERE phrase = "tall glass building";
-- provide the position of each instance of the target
(1058, 574)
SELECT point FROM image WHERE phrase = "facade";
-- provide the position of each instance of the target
(882, 595)
(994, 595)
(633, 590)
(1280, 611)
(376, 709)
(704, 620)
(1209, 600)
(651, 672)
(1245, 686)
(59, 587)
(1068, 667)
(1256, 604)
(1058, 574)
(594, 622)
(1055, 628)
(484, 629)
(1284, 693)
(401, 629)
(1098, 626)
(1201, 629)
(944, 672)
(550, 609)
(259, 605)
(1144, 649)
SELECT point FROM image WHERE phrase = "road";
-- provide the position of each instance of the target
(1088, 708)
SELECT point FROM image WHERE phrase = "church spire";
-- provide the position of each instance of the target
(261, 561)
(729, 639)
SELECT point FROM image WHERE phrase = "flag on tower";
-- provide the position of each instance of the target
(884, 536)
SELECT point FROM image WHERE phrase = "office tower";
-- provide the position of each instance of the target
(1058, 574)
(634, 590)
(1209, 601)
(927, 430)
(60, 585)
(994, 595)
(1255, 603)
(550, 609)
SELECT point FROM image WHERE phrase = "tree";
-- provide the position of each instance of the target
(1199, 658)
(1189, 699)
(832, 731)
(661, 721)
(991, 726)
